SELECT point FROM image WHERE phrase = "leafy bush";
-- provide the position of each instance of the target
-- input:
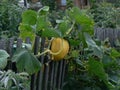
(50, 3)
(10, 17)
(92, 69)
(10, 80)
(105, 15)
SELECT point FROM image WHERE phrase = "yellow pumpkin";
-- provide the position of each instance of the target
(60, 47)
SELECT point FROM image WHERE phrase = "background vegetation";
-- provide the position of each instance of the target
(10, 17)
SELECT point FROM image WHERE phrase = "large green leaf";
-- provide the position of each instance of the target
(41, 23)
(114, 53)
(64, 27)
(81, 18)
(74, 42)
(3, 58)
(90, 42)
(107, 61)
(26, 31)
(97, 51)
(26, 61)
(29, 17)
(96, 68)
(44, 10)
(49, 32)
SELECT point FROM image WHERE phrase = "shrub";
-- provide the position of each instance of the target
(10, 16)
(105, 15)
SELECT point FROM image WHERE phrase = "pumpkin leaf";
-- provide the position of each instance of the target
(44, 10)
(50, 33)
(114, 53)
(26, 31)
(29, 17)
(41, 23)
(64, 27)
(82, 19)
(26, 61)
(97, 51)
(96, 68)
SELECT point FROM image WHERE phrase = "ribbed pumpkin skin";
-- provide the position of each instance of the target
(56, 45)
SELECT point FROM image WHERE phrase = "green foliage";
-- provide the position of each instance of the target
(82, 19)
(96, 69)
(3, 59)
(50, 3)
(50, 32)
(64, 26)
(97, 51)
(26, 61)
(26, 31)
(93, 69)
(105, 15)
(10, 18)
(36, 23)
(116, 3)
(70, 4)
(29, 17)
(10, 80)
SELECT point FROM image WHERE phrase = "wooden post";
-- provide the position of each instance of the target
(81, 3)
(35, 5)
(77, 3)
(61, 4)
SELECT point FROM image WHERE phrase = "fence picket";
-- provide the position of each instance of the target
(60, 74)
(40, 73)
(103, 33)
(10, 51)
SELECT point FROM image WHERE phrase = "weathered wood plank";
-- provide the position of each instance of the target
(40, 73)
(3, 44)
(111, 34)
(34, 76)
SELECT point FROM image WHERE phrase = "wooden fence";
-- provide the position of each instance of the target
(51, 77)
(111, 34)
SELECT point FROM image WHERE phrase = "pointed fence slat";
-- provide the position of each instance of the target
(33, 77)
(10, 51)
(60, 74)
(3, 44)
(40, 73)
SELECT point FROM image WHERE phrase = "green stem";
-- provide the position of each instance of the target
(70, 29)
(48, 50)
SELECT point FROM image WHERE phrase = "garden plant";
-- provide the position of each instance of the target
(91, 64)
